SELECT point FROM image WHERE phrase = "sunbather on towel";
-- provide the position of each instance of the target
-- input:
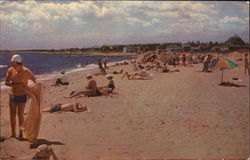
(71, 107)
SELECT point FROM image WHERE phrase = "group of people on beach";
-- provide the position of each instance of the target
(18, 75)
(91, 89)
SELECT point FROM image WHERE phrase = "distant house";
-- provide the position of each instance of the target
(186, 47)
(129, 49)
(204, 47)
(161, 48)
(195, 49)
(174, 48)
(215, 49)
(224, 48)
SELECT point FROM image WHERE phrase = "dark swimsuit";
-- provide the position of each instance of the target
(111, 87)
(18, 99)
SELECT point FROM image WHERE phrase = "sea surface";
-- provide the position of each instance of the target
(46, 65)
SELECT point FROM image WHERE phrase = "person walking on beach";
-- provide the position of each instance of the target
(17, 79)
(100, 63)
(102, 70)
(105, 63)
(246, 66)
(184, 59)
(206, 63)
(174, 59)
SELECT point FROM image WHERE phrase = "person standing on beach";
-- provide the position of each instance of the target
(174, 59)
(207, 61)
(246, 66)
(184, 59)
(17, 79)
(102, 70)
(105, 63)
(100, 64)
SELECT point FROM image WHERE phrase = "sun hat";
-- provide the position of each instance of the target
(109, 76)
(16, 58)
(89, 76)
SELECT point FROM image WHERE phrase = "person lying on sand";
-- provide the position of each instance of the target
(44, 152)
(120, 72)
(90, 89)
(70, 107)
(108, 88)
(142, 75)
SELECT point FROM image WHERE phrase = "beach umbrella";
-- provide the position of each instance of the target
(225, 64)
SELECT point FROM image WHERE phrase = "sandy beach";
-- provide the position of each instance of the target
(179, 115)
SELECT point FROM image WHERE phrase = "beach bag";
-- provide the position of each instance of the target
(32, 122)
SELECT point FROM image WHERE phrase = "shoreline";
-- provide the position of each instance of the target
(91, 68)
(87, 53)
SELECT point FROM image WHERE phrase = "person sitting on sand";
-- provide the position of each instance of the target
(71, 107)
(110, 87)
(165, 68)
(158, 66)
(62, 80)
(140, 66)
(90, 89)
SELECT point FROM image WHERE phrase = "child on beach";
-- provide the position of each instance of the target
(110, 86)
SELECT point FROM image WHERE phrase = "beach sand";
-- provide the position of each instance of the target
(178, 115)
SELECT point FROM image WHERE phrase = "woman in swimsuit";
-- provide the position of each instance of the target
(71, 107)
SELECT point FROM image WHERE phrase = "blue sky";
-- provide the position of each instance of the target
(66, 24)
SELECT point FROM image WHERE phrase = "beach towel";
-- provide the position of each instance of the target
(32, 122)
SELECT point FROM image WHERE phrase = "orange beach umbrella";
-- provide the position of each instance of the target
(225, 64)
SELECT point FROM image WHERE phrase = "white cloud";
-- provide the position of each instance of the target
(77, 18)
(228, 19)
(78, 21)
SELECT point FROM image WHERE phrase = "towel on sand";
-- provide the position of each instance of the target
(32, 122)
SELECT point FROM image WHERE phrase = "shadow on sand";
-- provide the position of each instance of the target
(45, 141)
(230, 84)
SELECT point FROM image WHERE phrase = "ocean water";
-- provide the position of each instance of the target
(46, 65)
